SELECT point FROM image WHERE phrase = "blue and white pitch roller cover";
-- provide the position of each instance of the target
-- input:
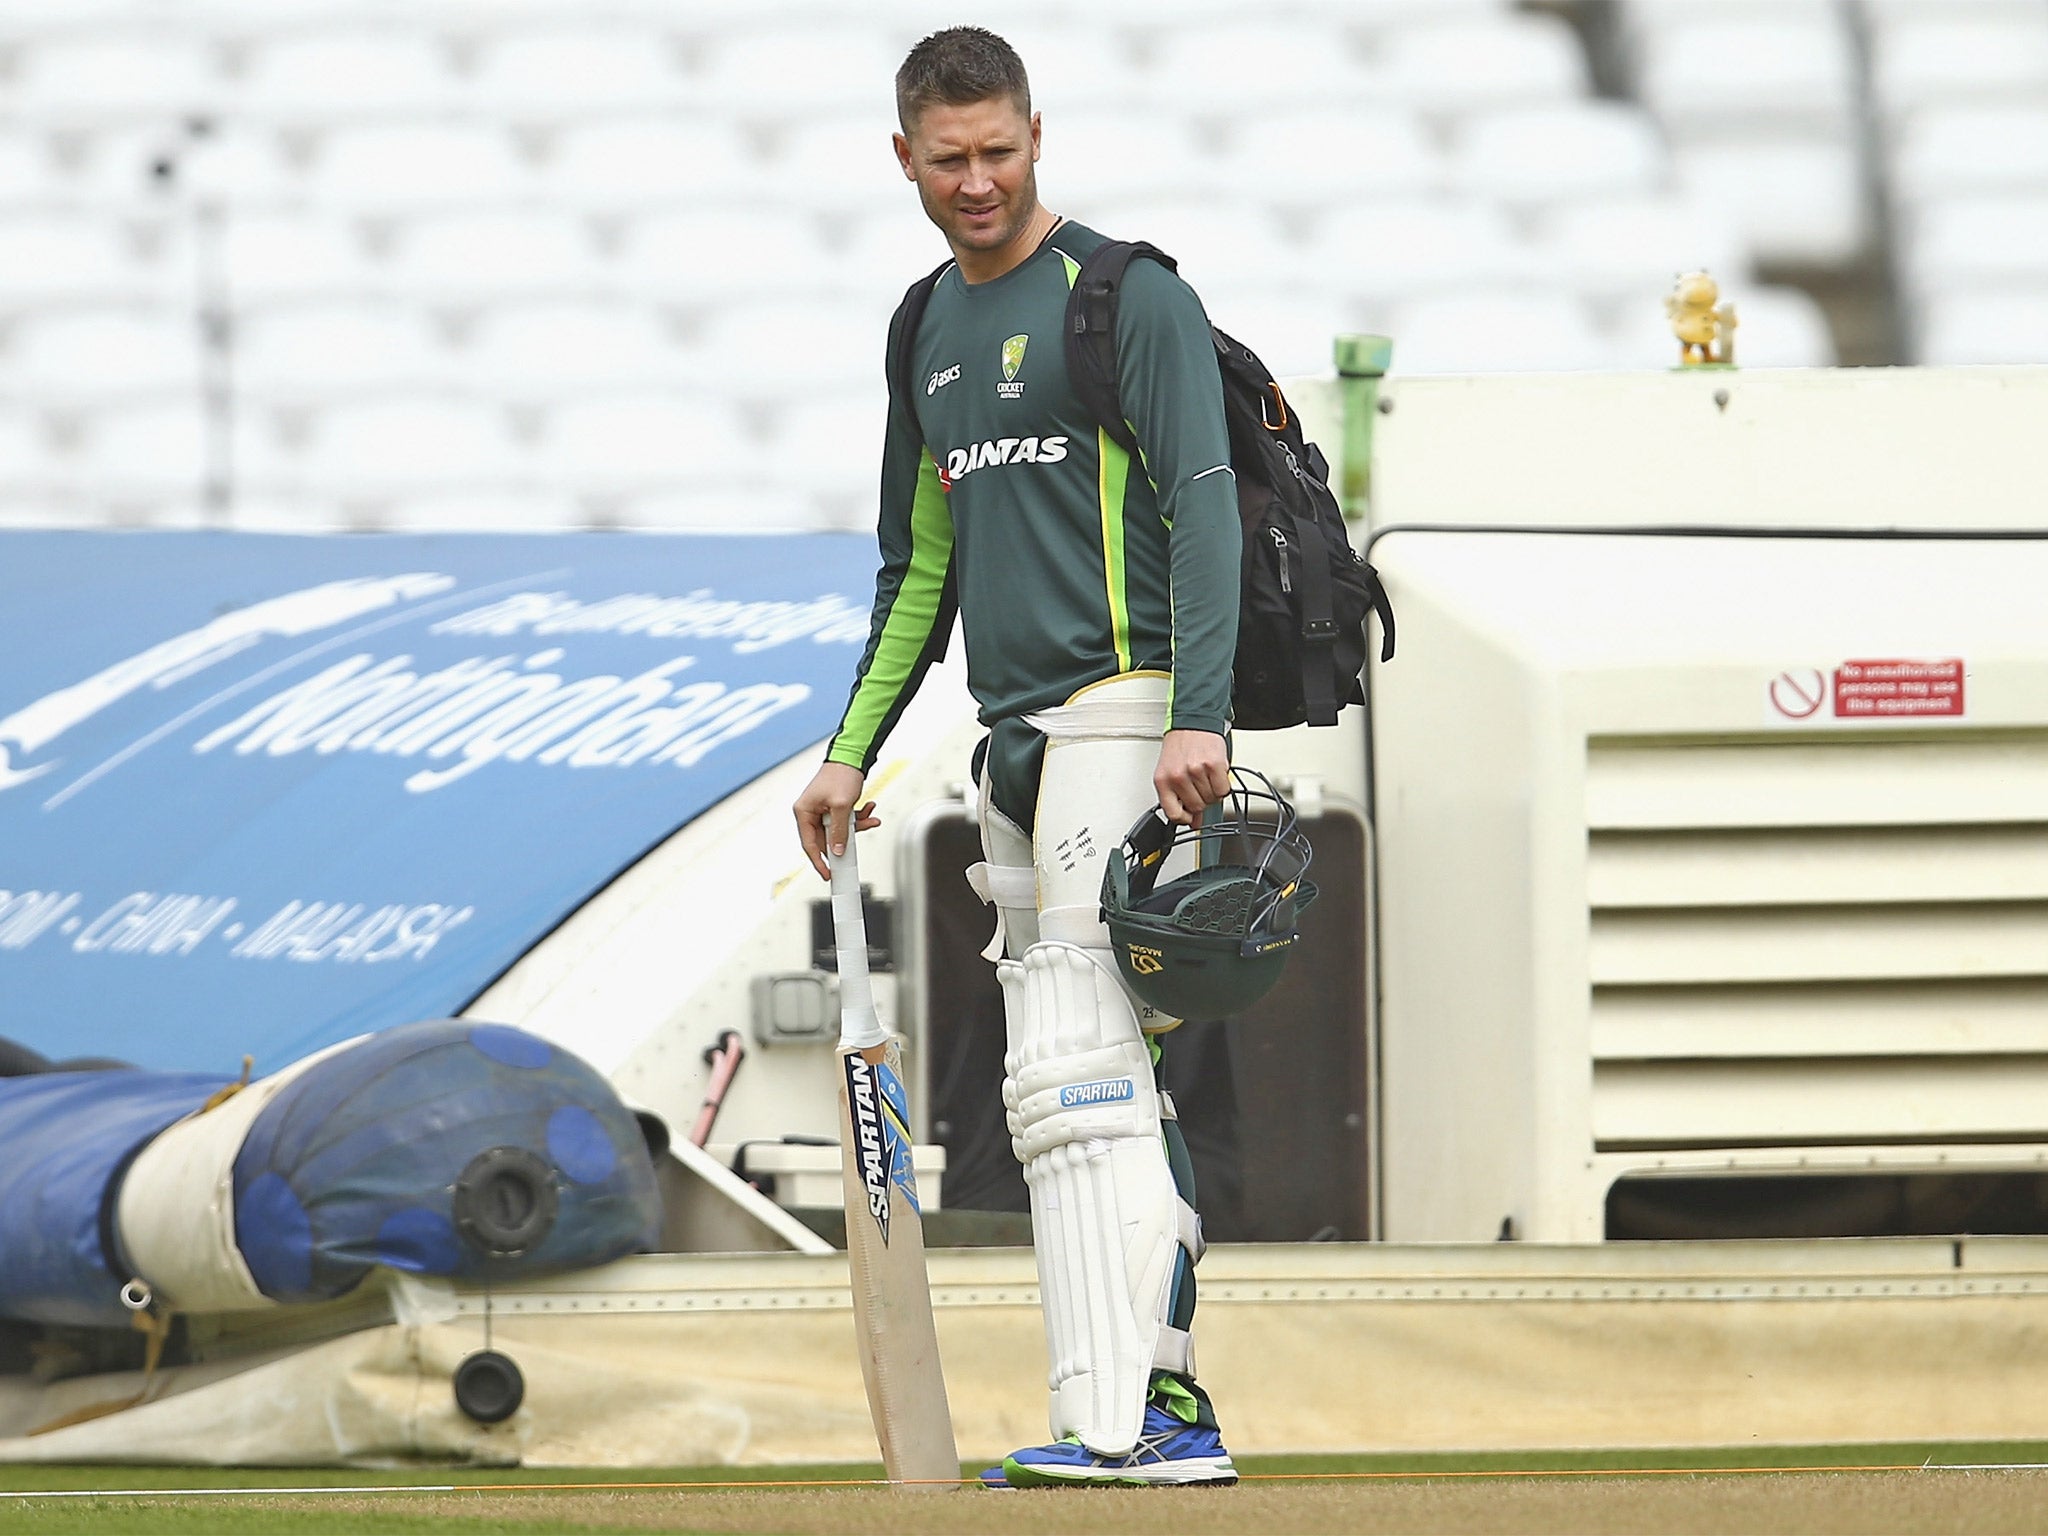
(445, 1148)
(64, 1138)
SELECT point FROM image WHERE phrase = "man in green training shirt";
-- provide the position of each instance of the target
(1097, 595)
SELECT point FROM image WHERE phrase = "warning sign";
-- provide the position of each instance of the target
(1866, 692)
(1798, 692)
(1894, 689)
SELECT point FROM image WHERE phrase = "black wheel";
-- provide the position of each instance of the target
(489, 1387)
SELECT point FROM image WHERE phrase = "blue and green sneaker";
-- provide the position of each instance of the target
(1168, 1452)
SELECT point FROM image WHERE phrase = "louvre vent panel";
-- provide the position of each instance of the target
(1817, 866)
(1835, 943)
(1820, 941)
(1904, 1018)
(1853, 781)
(1817, 1103)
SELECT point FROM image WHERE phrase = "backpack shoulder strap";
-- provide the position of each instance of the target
(903, 333)
(1090, 340)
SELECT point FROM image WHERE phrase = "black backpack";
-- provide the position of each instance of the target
(1301, 639)
(1306, 593)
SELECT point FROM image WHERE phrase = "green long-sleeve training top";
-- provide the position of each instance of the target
(1001, 497)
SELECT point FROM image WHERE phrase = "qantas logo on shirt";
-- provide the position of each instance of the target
(1003, 450)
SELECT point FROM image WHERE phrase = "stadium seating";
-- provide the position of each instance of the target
(292, 254)
(840, 163)
(24, 461)
(1158, 155)
(27, 176)
(1957, 59)
(711, 256)
(496, 509)
(410, 166)
(337, 348)
(1630, 247)
(1460, 65)
(149, 452)
(633, 443)
(1800, 200)
(1391, 251)
(756, 71)
(1945, 151)
(1518, 330)
(407, 442)
(628, 164)
(121, 74)
(579, 69)
(1761, 107)
(762, 348)
(1528, 158)
(1316, 157)
(1248, 67)
(516, 215)
(339, 74)
(558, 349)
(69, 258)
(1995, 325)
(106, 353)
(490, 255)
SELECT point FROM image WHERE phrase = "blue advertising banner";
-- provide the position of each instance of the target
(261, 793)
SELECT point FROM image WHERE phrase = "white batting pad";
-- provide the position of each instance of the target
(1005, 879)
(1100, 749)
(1105, 1218)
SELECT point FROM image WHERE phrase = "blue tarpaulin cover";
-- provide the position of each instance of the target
(65, 1135)
(262, 793)
(356, 1162)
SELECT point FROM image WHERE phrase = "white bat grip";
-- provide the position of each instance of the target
(859, 1028)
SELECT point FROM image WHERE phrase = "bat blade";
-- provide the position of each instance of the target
(892, 1301)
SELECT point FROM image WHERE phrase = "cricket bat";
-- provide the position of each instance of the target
(892, 1296)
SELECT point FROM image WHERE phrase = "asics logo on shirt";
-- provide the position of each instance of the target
(1002, 450)
(941, 379)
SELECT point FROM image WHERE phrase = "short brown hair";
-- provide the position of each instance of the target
(956, 68)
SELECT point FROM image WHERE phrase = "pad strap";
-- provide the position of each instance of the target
(1176, 1352)
(1007, 888)
(1007, 878)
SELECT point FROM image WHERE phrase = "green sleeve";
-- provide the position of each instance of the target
(914, 590)
(1172, 394)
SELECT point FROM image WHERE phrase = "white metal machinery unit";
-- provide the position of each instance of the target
(1748, 828)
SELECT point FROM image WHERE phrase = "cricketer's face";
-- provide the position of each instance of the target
(974, 167)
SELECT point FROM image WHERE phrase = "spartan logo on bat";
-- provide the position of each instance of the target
(870, 1138)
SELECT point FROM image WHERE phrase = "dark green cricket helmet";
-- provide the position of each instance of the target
(1212, 942)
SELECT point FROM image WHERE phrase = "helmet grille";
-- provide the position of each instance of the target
(1220, 908)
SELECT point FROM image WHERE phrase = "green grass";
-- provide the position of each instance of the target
(1329, 1493)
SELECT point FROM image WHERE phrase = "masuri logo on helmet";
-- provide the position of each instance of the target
(1210, 943)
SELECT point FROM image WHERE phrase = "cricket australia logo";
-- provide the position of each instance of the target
(1012, 387)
